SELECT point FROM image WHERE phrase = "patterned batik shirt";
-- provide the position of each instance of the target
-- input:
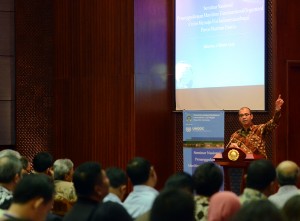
(5, 198)
(252, 141)
(202, 203)
(251, 195)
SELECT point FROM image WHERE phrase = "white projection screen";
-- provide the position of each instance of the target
(220, 54)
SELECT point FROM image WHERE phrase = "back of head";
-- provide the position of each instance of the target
(33, 186)
(85, 177)
(62, 167)
(223, 205)
(10, 166)
(173, 205)
(42, 161)
(260, 174)
(180, 180)
(138, 170)
(111, 211)
(291, 208)
(287, 173)
(10, 152)
(116, 176)
(262, 210)
(208, 179)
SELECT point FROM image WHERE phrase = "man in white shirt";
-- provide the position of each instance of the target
(117, 185)
(288, 178)
(143, 178)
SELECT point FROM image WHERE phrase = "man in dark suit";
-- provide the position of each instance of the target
(91, 185)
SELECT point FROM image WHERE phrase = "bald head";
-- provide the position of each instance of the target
(287, 173)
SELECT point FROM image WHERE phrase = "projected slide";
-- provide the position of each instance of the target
(220, 54)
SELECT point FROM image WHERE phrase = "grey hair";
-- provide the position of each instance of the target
(10, 166)
(10, 152)
(61, 168)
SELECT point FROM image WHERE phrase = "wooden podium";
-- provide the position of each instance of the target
(235, 158)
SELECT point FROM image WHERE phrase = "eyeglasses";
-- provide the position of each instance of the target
(246, 115)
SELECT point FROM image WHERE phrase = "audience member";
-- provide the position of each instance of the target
(173, 205)
(117, 185)
(143, 178)
(32, 200)
(26, 167)
(287, 178)
(291, 208)
(223, 205)
(10, 152)
(42, 163)
(65, 195)
(91, 185)
(181, 180)
(111, 211)
(260, 179)
(10, 174)
(208, 179)
(262, 210)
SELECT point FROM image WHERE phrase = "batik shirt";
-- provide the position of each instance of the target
(202, 203)
(252, 141)
(251, 195)
(5, 198)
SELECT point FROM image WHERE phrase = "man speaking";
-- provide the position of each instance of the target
(251, 138)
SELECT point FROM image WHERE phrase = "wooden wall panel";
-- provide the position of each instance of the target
(288, 49)
(94, 81)
(34, 76)
(7, 44)
(292, 106)
(154, 85)
(7, 74)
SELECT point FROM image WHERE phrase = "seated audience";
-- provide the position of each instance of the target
(260, 179)
(143, 178)
(173, 205)
(65, 195)
(43, 163)
(117, 185)
(32, 200)
(262, 210)
(223, 205)
(208, 179)
(10, 174)
(291, 209)
(91, 185)
(287, 178)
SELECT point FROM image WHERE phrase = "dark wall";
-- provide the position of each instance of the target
(288, 78)
(34, 23)
(7, 74)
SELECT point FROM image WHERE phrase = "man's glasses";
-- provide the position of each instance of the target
(246, 115)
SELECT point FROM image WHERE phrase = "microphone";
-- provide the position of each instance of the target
(229, 142)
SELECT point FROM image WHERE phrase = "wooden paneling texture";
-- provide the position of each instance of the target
(287, 81)
(154, 87)
(34, 76)
(94, 81)
(293, 104)
(7, 74)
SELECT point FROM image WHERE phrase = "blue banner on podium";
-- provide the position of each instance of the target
(203, 137)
